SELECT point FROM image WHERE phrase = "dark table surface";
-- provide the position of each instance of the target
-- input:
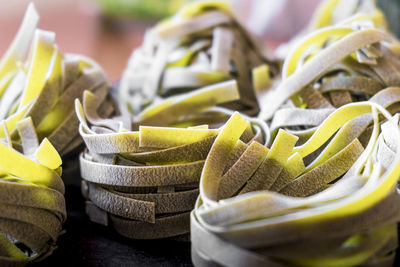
(88, 244)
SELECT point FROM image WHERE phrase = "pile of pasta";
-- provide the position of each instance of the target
(310, 181)
(331, 66)
(144, 182)
(200, 45)
(32, 205)
(329, 195)
(45, 86)
(340, 210)
(332, 12)
(38, 126)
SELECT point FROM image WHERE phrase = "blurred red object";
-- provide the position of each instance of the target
(79, 28)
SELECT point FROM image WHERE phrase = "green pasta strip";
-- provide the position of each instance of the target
(37, 95)
(196, 101)
(47, 155)
(43, 51)
(160, 137)
(218, 156)
(20, 45)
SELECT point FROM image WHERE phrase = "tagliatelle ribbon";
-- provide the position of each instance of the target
(32, 198)
(339, 188)
(145, 182)
(318, 65)
(38, 126)
(47, 89)
(339, 62)
(165, 113)
(330, 12)
(340, 220)
(202, 44)
(20, 45)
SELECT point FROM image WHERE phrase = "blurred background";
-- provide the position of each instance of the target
(108, 30)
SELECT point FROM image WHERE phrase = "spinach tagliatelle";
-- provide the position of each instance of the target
(46, 85)
(144, 182)
(311, 181)
(329, 196)
(341, 212)
(202, 44)
(38, 126)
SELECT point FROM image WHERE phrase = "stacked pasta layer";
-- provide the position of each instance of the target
(145, 183)
(32, 198)
(45, 87)
(329, 195)
(200, 45)
(38, 126)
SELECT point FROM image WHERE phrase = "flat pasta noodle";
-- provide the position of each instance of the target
(145, 182)
(32, 200)
(260, 223)
(187, 52)
(332, 199)
(48, 89)
(38, 128)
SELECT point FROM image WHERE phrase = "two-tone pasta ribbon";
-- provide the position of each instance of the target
(144, 182)
(202, 44)
(341, 209)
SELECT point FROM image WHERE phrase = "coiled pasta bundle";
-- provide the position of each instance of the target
(145, 182)
(340, 211)
(46, 85)
(200, 45)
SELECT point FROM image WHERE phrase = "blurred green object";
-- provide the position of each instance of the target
(140, 8)
(391, 8)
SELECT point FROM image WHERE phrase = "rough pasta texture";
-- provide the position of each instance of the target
(331, 66)
(341, 211)
(38, 126)
(326, 193)
(31, 198)
(201, 45)
(145, 182)
(45, 86)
